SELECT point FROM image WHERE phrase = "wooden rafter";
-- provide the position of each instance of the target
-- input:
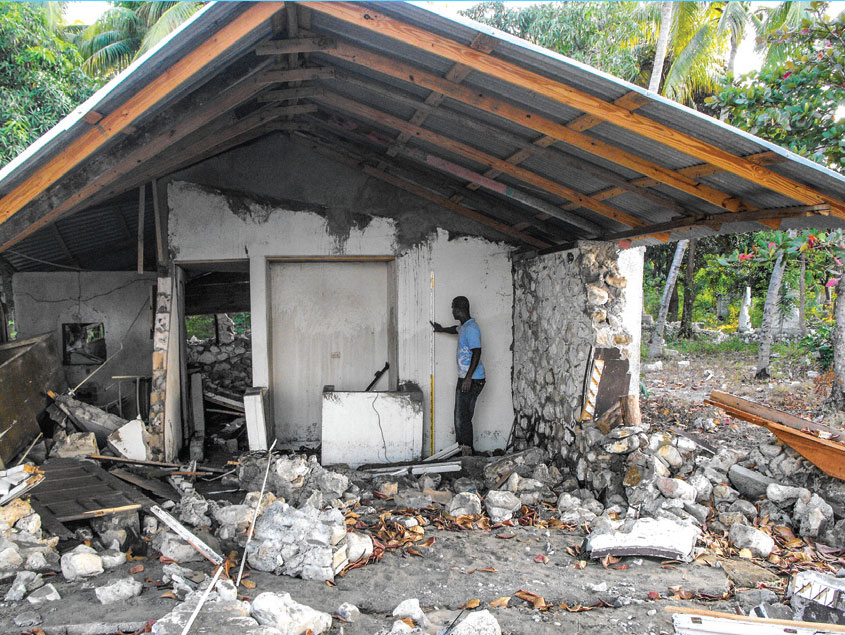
(558, 132)
(137, 105)
(442, 201)
(628, 120)
(295, 45)
(63, 245)
(372, 114)
(295, 75)
(458, 172)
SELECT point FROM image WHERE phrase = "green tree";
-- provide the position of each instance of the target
(794, 102)
(41, 79)
(127, 31)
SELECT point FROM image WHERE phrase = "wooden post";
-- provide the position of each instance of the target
(631, 410)
(159, 225)
(142, 191)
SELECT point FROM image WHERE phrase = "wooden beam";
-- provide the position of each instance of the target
(442, 201)
(286, 94)
(470, 152)
(408, 34)
(159, 223)
(715, 221)
(299, 109)
(137, 105)
(534, 121)
(629, 101)
(295, 75)
(296, 45)
(141, 208)
(192, 118)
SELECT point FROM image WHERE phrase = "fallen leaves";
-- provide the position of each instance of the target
(609, 560)
(472, 604)
(533, 599)
(249, 584)
(581, 564)
(653, 595)
(501, 602)
(541, 559)
(136, 569)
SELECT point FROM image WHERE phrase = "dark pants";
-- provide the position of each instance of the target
(464, 409)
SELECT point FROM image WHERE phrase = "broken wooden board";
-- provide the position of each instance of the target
(826, 454)
(689, 620)
(76, 490)
(223, 400)
(162, 490)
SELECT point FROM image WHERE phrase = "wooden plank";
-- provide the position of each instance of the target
(300, 109)
(815, 627)
(158, 89)
(50, 522)
(295, 75)
(285, 94)
(160, 489)
(159, 225)
(534, 121)
(141, 205)
(295, 45)
(629, 101)
(767, 413)
(513, 73)
(470, 152)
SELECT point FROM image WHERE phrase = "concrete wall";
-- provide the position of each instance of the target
(208, 224)
(120, 300)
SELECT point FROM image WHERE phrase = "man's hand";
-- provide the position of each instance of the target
(466, 384)
(437, 327)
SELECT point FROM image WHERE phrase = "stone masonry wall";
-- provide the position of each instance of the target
(564, 304)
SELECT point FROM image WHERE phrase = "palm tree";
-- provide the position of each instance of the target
(127, 31)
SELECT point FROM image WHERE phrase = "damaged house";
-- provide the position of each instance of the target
(341, 171)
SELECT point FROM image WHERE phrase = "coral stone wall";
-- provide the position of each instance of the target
(564, 304)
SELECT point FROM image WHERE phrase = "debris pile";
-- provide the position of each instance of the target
(225, 366)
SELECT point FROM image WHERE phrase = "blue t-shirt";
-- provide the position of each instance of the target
(469, 337)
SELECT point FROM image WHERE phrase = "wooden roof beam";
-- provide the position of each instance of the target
(438, 199)
(630, 101)
(137, 105)
(371, 114)
(504, 70)
(295, 45)
(295, 75)
(534, 121)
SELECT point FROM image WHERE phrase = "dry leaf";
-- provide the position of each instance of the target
(472, 604)
(581, 564)
(608, 560)
(544, 559)
(653, 595)
(746, 553)
(168, 594)
(249, 584)
(407, 621)
(501, 602)
(505, 537)
(489, 570)
(136, 569)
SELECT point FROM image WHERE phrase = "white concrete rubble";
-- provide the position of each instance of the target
(118, 591)
(289, 617)
(81, 562)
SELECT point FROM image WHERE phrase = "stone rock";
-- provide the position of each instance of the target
(234, 515)
(703, 487)
(118, 591)
(784, 495)
(466, 484)
(76, 445)
(660, 537)
(676, 488)
(172, 546)
(81, 562)
(651, 367)
(30, 524)
(699, 512)
(13, 511)
(749, 483)
(811, 515)
(671, 455)
(25, 581)
(567, 501)
(478, 623)
(412, 499)
(746, 537)
(501, 505)
(624, 445)
(410, 608)
(834, 536)
(47, 593)
(752, 597)
(441, 497)
(215, 617)
(289, 617)
(112, 558)
(724, 494)
(27, 618)
(348, 612)
(745, 508)
(729, 519)
(192, 510)
(10, 558)
(358, 546)
(597, 295)
(522, 463)
(465, 503)
(726, 458)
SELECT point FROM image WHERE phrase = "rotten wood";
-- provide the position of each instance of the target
(631, 414)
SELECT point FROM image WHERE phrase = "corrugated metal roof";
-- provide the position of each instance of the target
(488, 132)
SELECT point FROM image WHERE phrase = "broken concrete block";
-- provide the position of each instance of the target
(724, 494)
(478, 623)
(47, 593)
(10, 558)
(567, 501)
(112, 558)
(192, 510)
(81, 562)
(289, 617)
(676, 488)
(442, 497)
(752, 597)
(651, 367)
(226, 590)
(749, 483)
(671, 455)
(663, 538)
(13, 511)
(410, 609)
(118, 591)
(812, 515)
(131, 441)
(501, 505)
(30, 524)
(784, 495)
(412, 499)
(27, 618)
(25, 581)
(172, 546)
(745, 537)
(358, 546)
(745, 508)
(522, 463)
(464, 504)
(348, 612)
(77, 445)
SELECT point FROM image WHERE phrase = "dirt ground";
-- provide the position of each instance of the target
(449, 574)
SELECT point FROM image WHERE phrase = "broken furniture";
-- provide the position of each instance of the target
(692, 621)
(88, 418)
(142, 401)
(15, 482)
(821, 445)
(371, 427)
(77, 490)
(257, 424)
(28, 369)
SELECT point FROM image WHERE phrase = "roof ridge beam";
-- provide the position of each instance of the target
(512, 73)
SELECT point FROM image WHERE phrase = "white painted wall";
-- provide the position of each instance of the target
(371, 427)
(203, 226)
(46, 300)
(631, 267)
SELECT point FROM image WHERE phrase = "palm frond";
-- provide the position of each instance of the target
(167, 23)
(693, 70)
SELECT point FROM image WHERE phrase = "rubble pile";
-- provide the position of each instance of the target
(223, 365)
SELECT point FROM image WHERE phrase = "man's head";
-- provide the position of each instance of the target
(460, 308)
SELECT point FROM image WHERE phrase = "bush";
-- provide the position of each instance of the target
(819, 342)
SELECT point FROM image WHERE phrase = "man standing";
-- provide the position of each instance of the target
(470, 370)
